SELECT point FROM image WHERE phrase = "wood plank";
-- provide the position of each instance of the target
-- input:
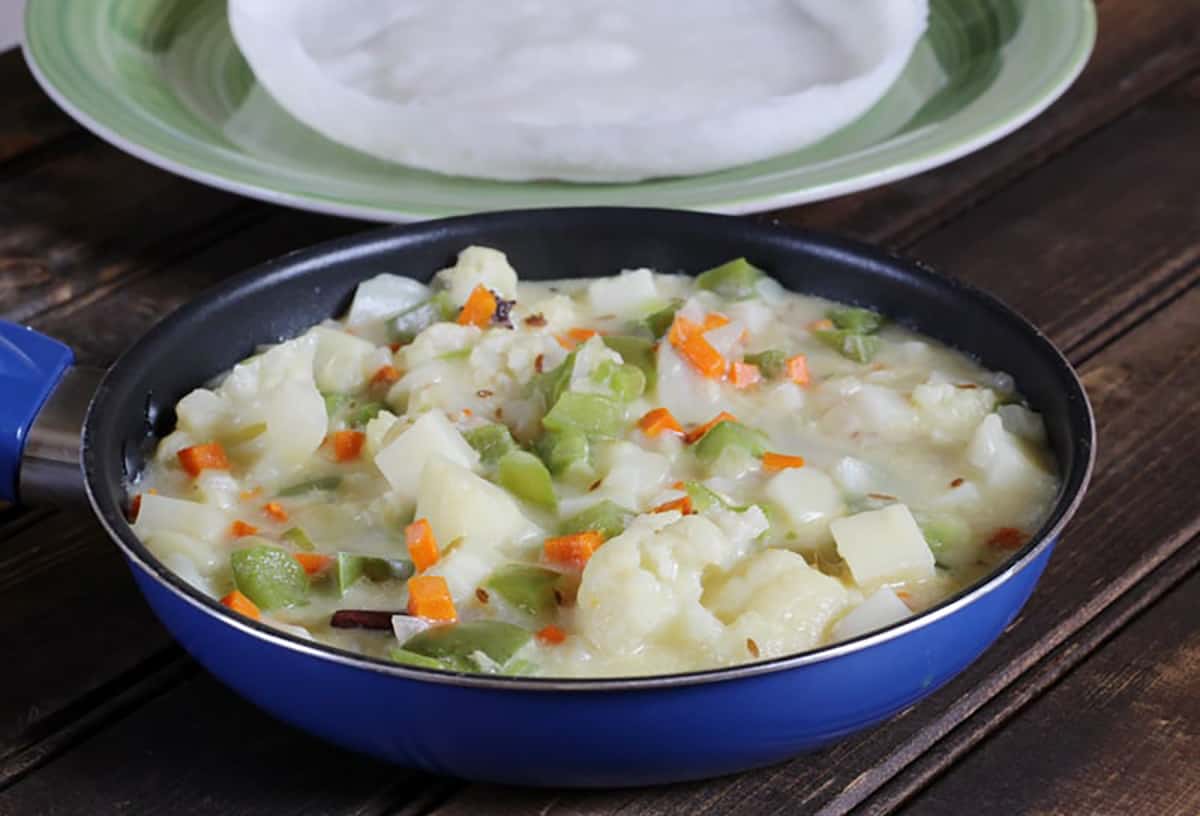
(1141, 49)
(30, 119)
(162, 760)
(1120, 734)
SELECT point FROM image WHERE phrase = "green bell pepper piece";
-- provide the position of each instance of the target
(563, 450)
(334, 403)
(319, 483)
(491, 442)
(592, 414)
(729, 434)
(605, 517)
(523, 474)
(734, 280)
(853, 346)
(526, 587)
(444, 306)
(352, 566)
(658, 322)
(772, 362)
(298, 539)
(454, 644)
(554, 382)
(702, 497)
(855, 319)
(944, 533)
(269, 576)
(636, 351)
(419, 661)
(362, 414)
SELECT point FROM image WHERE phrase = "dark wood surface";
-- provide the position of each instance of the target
(1087, 221)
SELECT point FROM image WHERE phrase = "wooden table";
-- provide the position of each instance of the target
(1087, 220)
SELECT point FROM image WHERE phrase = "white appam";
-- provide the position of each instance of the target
(579, 90)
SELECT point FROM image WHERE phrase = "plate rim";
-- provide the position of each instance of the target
(1025, 110)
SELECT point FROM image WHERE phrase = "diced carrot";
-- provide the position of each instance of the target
(564, 341)
(695, 434)
(781, 461)
(824, 324)
(210, 456)
(715, 320)
(683, 504)
(677, 486)
(581, 335)
(552, 635)
(797, 369)
(429, 598)
(658, 420)
(275, 510)
(386, 375)
(135, 504)
(313, 563)
(574, 549)
(395, 347)
(681, 329)
(422, 546)
(348, 445)
(247, 495)
(240, 529)
(1006, 538)
(703, 357)
(744, 375)
(241, 604)
(479, 308)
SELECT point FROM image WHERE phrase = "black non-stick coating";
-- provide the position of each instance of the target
(281, 299)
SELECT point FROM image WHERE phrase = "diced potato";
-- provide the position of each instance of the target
(379, 432)
(341, 361)
(1004, 458)
(217, 487)
(458, 503)
(204, 559)
(466, 567)
(432, 435)
(201, 413)
(881, 609)
(1019, 420)
(872, 409)
(159, 514)
(631, 474)
(809, 500)
(775, 599)
(384, 295)
(478, 265)
(626, 295)
(883, 546)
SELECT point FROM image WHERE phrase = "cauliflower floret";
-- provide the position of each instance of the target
(505, 357)
(778, 602)
(949, 414)
(558, 312)
(478, 265)
(438, 340)
(853, 408)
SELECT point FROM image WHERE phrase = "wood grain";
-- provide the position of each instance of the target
(30, 119)
(1119, 735)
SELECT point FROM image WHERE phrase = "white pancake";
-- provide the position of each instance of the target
(581, 90)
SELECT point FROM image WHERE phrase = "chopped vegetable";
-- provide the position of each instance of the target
(551, 634)
(298, 538)
(660, 321)
(429, 598)
(627, 382)
(858, 347)
(797, 369)
(593, 414)
(313, 563)
(715, 320)
(698, 432)
(363, 414)
(946, 535)
(347, 445)
(635, 351)
(210, 456)
(744, 375)
(269, 576)
(688, 339)
(334, 403)
(728, 434)
(657, 421)
(456, 645)
(735, 279)
(683, 504)
(565, 451)
(319, 483)
(1006, 538)
(781, 461)
(386, 375)
(772, 362)
(241, 604)
(419, 661)
(581, 335)
(573, 549)
(491, 442)
(479, 308)
(241, 529)
(422, 546)
(553, 383)
(702, 497)
(245, 433)
(528, 588)
(856, 320)
(605, 517)
(352, 566)
(525, 476)
(275, 510)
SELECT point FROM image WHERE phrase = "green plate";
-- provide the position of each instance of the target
(163, 80)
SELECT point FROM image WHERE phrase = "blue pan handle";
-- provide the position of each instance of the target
(32, 368)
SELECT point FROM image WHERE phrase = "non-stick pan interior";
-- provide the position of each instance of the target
(284, 297)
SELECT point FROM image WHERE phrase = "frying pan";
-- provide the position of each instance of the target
(574, 732)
